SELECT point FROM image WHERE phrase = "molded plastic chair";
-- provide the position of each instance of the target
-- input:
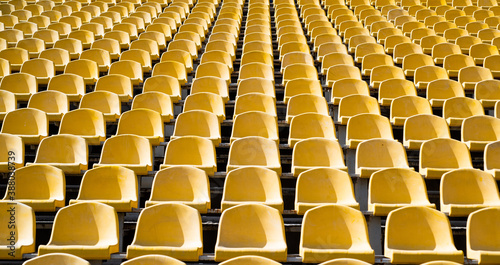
(440, 155)
(198, 123)
(25, 228)
(143, 122)
(87, 123)
(438, 91)
(423, 127)
(255, 123)
(309, 125)
(405, 107)
(103, 101)
(192, 151)
(376, 154)
(317, 152)
(263, 152)
(478, 131)
(30, 124)
(482, 242)
(367, 126)
(457, 109)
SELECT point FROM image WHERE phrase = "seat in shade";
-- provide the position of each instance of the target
(317, 152)
(191, 151)
(323, 186)
(263, 152)
(252, 185)
(251, 229)
(169, 229)
(88, 230)
(463, 191)
(481, 235)
(112, 185)
(440, 155)
(334, 231)
(418, 234)
(393, 188)
(181, 184)
(23, 240)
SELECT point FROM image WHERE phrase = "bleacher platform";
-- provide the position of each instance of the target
(234, 132)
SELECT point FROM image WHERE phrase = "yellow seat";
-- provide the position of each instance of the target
(85, 68)
(470, 76)
(419, 234)
(255, 102)
(383, 73)
(8, 103)
(478, 131)
(142, 122)
(391, 89)
(130, 69)
(164, 84)
(345, 261)
(482, 243)
(52, 102)
(261, 70)
(487, 93)
(32, 130)
(256, 85)
(121, 36)
(407, 106)
(119, 188)
(454, 33)
(22, 85)
(255, 123)
(457, 109)
(100, 56)
(103, 101)
(249, 259)
(181, 184)
(56, 258)
(441, 50)
(346, 87)
(338, 72)
(440, 90)
(393, 38)
(131, 151)
(252, 185)
(20, 237)
(206, 101)
(330, 47)
(491, 155)
(440, 155)
(116, 83)
(73, 86)
(156, 101)
(303, 103)
(403, 49)
(365, 49)
(309, 125)
(66, 152)
(376, 154)
(87, 123)
(214, 69)
(302, 86)
(198, 123)
(267, 150)
(373, 60)
(317, 152)
(251, 229)
(218, 56)
(335, 58)
(426, 74)
(140, 56)
(482, 50)
(464, 191)
(13, 148)
(96, 236)
(225, 46)
(34, 46)
(294, 58)
(413, 61)
(352, 105)
(423, 127)
(211, 84)
(110, 45)
(12, 36)
(42, 69)
(492, 63)
(367, 126)
(180, 56)
(179, 238)
(321, 240)
(393, 188)
(454, 62)
(181, 151)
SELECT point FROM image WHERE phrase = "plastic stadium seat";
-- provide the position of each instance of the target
(309, 125)
(251, 229)
(267, 154)
(390, 38)
(121, 36)
(214, 69)
(295, 57)
(225, 46)
(34, 128)
(256, 85)
(356, 104)
(389, 153)
(130, 151)
(198, 123)
(155, 101)
(116, 83)
(256, 57)
(257, 70)
(338, 72)
(454, 62)
(54, 103)
(302, 86)
(219, 56)
(140, 56)
(391, 89)
(87, 123)
(440, 90)
(419, 234)
(211, 84)
(42, 69)
(321, 240)
(464, 191)
(249, 259)
(96, 236)
(330, 47)
(12, 36)
(491, 155)
(181, 184)
(180, 56)
(487, 93)
(492, 62)
(4, 68)
(335, 58)
(367, 126)
(181, 152)
(426, 74)
(405, 107)
(206, 101)
(119, 188)
(365, 49)
(255, 102)
(252, 185)
(143, 122)
(8, 103)
(24, 229)
(180, 237)
(423, 127)
(34, 46)
(440, 155)
(130, 69)
(482, 244)
(85, 68)
(373, 60)
(457, 109)
(103, 101)
(100, 56)
(167, 85)
(478, 131)
(413, 61)
(470, 76)
(73, 86)
(403, 49)
(13, 148)
(255, 123)
(346, 87)
(304, 103)
(385, 72)
(481, 51)
(317, 152)
(393, 188)
(22, 85)
(110, 45)
(56, 258)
